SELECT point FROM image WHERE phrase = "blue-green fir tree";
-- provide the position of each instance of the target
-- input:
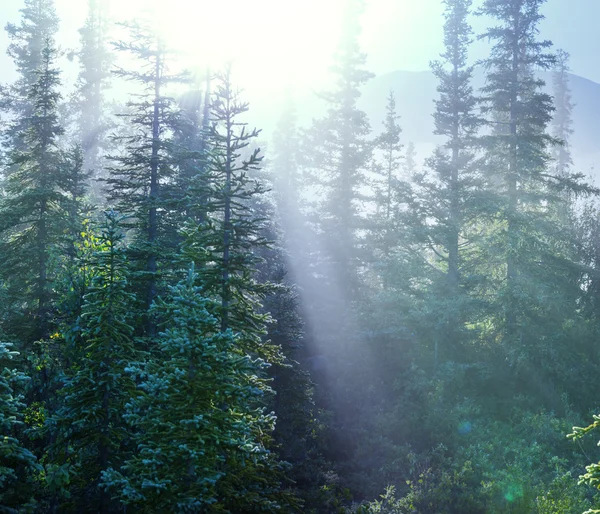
(33, 206)
(91, 435)
(140, 177)
(17, 464)
(200, 424)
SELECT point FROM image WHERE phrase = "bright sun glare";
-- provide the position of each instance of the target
(270, 41)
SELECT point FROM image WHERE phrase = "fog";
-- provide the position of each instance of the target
(329, 257)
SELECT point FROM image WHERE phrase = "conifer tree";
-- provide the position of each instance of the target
(390, 192)
(410, 160)
(92, 435)
(32, 210)
(28, 42)
(341, 152)
(285, 170)
(17, 463)
(519, 144)
(138, 179)
(94, 75)
(455, 119)
(390, 146)
(201, 432)
(562, 122)
(191, 136)
(446, 196)
(534, 277)
(223, 244)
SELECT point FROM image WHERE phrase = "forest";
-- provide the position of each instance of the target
(196, 318)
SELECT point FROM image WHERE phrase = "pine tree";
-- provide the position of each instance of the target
(285, 171)
(32, 211)
(191, 136)
(28, 43)
(94, 75)
(535, 275)
(92, 435)
(456, 120)
(138, 179)
(228, 244)
(519, 143)
(17, 464)
(562, 122)
(390, 147)
(200, 428)
(223, 244)
(340, 153)
(446, 197)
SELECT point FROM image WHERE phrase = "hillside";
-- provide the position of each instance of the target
(416, 91)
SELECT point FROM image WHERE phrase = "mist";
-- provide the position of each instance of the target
(316, 257)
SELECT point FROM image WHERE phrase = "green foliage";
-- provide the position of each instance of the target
(91, 434)
(201, 432)
(95, 61)
(224, 244)
(32, 208)
(592, 475)
(18, 465)
(139, 179)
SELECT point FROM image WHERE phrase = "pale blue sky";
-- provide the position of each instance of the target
(397, 34)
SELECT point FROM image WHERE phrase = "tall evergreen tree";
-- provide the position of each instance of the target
(340, 153)
(138, 179)
(191, 137)
(201, 431)
(518, 148)
(32, 210)
(28, 41)
(94, 75)
(455, 119)
(535, 281)
(562, 122)
(390, 147)
(92, 435)
(223, 243)
(446, 197)
(227, 244)
(17, 464)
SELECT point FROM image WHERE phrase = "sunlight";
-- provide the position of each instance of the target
(270, 41)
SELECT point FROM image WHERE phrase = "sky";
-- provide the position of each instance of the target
(279, 44)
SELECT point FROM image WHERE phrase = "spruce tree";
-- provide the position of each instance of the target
(32, 209)
(17, 464)
(201, 432)
(139, 176)
(93, 81)
(519, 144)
(191, 136)
(390, 147)
(534, 281)
(223, 244)
(389, 193)
(227, 245)
(456, 120)
(445, 206)
(91, 433)
(340, 153)
(562, 121)
(285, 171)
(28, 41)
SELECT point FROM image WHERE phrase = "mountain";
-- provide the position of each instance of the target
(415, 93)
